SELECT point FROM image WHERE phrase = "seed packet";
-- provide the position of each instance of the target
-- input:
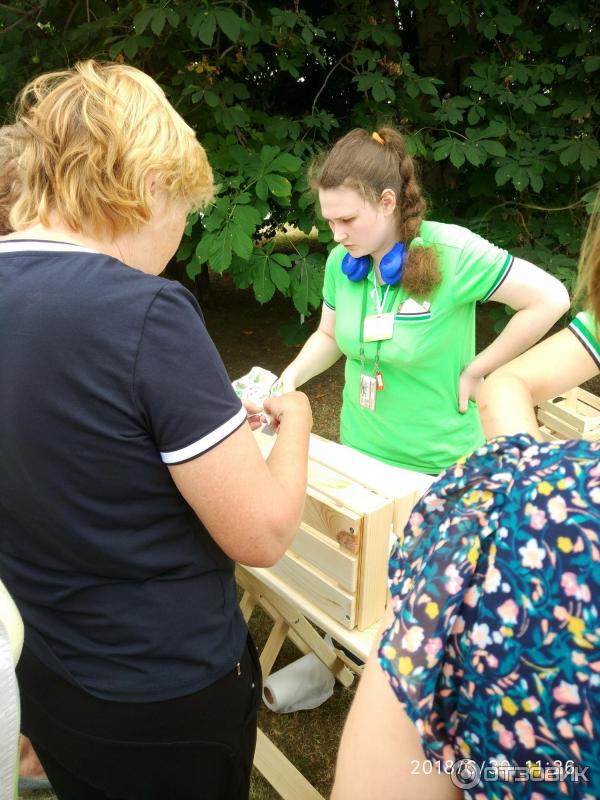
(255, 386)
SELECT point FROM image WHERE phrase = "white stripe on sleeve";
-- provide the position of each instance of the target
(206, 442)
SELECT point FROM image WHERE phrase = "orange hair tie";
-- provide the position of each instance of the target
(377, 137)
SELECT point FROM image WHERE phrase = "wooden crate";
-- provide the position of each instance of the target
(338, 559)
(574, 415)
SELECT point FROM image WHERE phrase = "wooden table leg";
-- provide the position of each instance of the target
(273, 646)
(281, 773)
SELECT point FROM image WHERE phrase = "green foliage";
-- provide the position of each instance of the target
(499, 101)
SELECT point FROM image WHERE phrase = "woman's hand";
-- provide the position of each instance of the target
(291, 403)
(468, 385)
(231, 487)
(286, 383)
(256, 417)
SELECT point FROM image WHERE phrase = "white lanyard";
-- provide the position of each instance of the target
(378, 302)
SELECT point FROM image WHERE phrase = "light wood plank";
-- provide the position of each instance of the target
(281, 773)
(341, 524)
(273, 645)
(327, 595)
(578, 409)
(588, 398)
(558, 425)
(342, 490)
(290, 605)
(247, 604)
(381, 478)
(264, 603)
(373, 566)
(270, 589)
(548, 435)
(329, 557)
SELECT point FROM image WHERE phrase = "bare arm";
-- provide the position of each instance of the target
(318, 354)
(507, 397)
(539, 300)
(380, 746)
(252, 507)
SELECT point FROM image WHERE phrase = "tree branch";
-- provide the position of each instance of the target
(329, 74)
(20, 11)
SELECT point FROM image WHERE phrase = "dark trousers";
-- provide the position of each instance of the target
(200, 746)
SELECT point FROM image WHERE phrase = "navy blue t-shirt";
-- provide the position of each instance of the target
(107, 375)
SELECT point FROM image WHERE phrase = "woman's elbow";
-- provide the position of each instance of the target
(269, 542)
(559, 300)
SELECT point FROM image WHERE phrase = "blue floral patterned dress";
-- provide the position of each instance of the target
(495, 646)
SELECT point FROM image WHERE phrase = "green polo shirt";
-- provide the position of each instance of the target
(416, 423)
(585, 328)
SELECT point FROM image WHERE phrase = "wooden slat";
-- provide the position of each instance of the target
(274, 614)
(281, 600)
(380, 478)
(344, 491)
(247, 604)
(329, 557)
(556, 424)
(578, 409)
(292, 604)
(373, 565)
(281, 773)
(314, 584)
(273, 645)
(548, 435)
(335, 521)
(566, 430)
(589, 398)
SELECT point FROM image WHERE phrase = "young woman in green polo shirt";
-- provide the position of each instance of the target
(507, 398)
(399, 302)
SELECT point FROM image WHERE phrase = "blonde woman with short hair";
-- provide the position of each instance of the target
(130, 482)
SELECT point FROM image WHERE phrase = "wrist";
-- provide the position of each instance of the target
(473, 371)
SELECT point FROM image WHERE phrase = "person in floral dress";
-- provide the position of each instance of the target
(485, 683)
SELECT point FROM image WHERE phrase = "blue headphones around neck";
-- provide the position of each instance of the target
(391, 265)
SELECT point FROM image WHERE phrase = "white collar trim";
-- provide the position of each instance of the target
(41, 246)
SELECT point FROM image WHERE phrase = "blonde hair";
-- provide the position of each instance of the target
(369, 163)
(10, 145)
(93, 135)
(588, 280)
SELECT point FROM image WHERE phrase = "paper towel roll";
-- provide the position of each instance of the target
(303, 684)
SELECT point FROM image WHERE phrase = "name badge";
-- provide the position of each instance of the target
(368, 391)
(378, 327)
